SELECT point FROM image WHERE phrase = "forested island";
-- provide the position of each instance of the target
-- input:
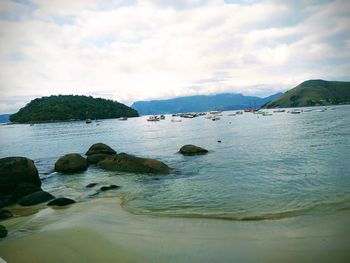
(71, 107)
(313, 93)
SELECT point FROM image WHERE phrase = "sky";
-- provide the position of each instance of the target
(142, 49)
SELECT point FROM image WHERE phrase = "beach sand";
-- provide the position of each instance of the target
(100, 230)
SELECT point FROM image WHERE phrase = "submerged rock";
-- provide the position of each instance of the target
(110, 187)
(62, 201)
(91, 185)
(3, 231)
(70, 163)
(17, 170)
(5, 214)
(190, 149)
(100, 148)
(36, 198)
(128, 163)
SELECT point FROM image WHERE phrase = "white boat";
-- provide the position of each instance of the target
(153, 118)
(123, 118)
(295, 111)
(175, 120)
(215, 118)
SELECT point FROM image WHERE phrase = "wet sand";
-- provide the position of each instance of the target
(101, 231)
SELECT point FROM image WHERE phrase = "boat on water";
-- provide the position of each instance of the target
(175, 120)
(239, 112)
(278, 110)
(123, 119)
(295, 111)
(162, 117)
(153, 118)
(215, 118)
(265, 113)
(88, 121)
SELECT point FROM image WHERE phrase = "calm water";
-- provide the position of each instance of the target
(265, 167)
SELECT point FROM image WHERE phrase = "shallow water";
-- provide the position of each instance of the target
(266, 167)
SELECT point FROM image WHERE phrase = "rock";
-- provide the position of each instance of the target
(62, 201)
(70, 163)
(35, 198)
(5, 214)
(96, 158)
(112, 186)
(24, 189)
(91, 185)
(3, 232)
(17, 170)
(128, 163)
(190, 149)
(5, 200)
(100, 148)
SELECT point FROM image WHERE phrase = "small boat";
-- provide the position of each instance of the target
(215, 118)
(88, 121)
(123, 119)
(175, 120)
(162, 117)
(295, 111)
(265, 113)
(239, 112)
(153, 118)
(279, 110)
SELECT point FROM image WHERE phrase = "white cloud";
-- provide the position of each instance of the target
(132, 50)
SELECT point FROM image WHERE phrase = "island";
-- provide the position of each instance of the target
(313, 93)
(71, 107)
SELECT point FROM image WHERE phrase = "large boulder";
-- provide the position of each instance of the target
(17, 170)
(24, 189)
(71, 163)
(35, 198)
(128, 163)
(96, 158)
(100, 148)
(190, 149)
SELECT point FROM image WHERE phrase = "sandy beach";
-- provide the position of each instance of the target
(101, 231)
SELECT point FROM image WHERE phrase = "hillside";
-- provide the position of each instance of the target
(70, 107)
(201, 103)
(313, 93)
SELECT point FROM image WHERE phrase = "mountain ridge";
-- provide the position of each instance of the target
(201, 103)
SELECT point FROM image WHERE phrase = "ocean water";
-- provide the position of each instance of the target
(266, 167)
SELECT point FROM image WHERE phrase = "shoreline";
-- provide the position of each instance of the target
(100, 230)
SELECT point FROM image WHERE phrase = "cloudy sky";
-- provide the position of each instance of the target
(143, 49)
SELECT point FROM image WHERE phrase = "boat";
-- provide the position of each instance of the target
(215, 118)
(239, 112)
(265, 113)
(175, 120)
(295, 111)
(278, 110)
(88, 121)
(153, 118)
(162, 117)
(123, 119)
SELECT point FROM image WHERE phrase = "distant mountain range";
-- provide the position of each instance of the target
(4, 118)
(313, 93)
(201, 103)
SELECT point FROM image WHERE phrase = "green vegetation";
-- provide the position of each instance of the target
(313, 93)
(70, 107)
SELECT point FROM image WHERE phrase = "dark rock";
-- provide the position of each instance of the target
(5, 214)
(70, 163)
(35, 198)
(190, 149)
(91, 185)
(100, 148)
(105, 188)
(62, 201)
(96, 158)
(128, 163)
(24, 189)
(16, 170)
(3, 231)
(219, 141)
(5, 200)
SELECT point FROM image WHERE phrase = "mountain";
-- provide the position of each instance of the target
(313, 93)
(4, 118)
(70, 107)
(201, 103)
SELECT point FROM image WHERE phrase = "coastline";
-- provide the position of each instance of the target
(100, 230)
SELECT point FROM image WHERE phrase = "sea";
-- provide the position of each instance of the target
(257, 168)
